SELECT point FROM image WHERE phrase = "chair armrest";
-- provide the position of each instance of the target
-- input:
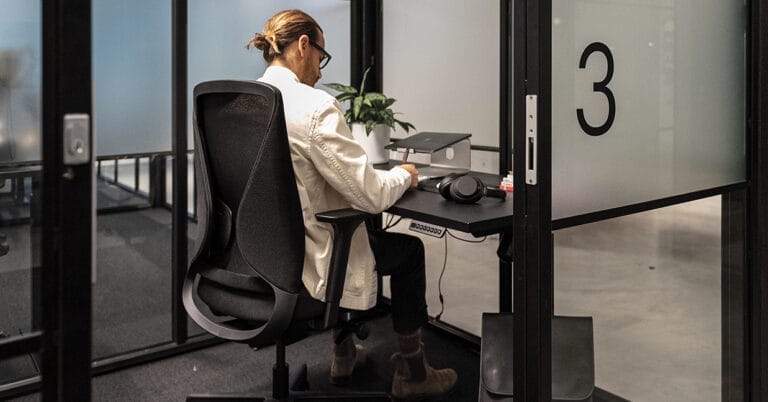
(344, 223)
(342, 216)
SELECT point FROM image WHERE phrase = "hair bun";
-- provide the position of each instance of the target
(259, 41)
(264, 43)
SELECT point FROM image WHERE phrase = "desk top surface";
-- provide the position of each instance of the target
(487, 216)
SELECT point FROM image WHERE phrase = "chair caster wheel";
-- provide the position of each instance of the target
(363, 332)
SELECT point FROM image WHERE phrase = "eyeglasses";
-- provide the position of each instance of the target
(326, 56)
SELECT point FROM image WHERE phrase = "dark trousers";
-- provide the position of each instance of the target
(402, 257)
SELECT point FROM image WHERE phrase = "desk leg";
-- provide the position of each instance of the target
(505, 286)
(504, 252)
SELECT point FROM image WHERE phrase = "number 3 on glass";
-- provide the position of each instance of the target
(601, 86)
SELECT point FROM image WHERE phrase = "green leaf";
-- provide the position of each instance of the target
(375, 96)
(362, 84)
(369, 125)
(368, 108)
(356, 104)
(342, 88)
(405, 125)
(344, 96)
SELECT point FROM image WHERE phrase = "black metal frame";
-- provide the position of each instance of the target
(179, 129)
(66, 218)
(506, 80)
(21, 344)
(533, 283)
(366, 36)
(745, 233)
(645, 206)
(757, 200)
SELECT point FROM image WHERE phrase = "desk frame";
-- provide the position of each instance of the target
(488, 216)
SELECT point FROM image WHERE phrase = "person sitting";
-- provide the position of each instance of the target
(332, 172)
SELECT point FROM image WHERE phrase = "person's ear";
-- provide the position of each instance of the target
(303, 45)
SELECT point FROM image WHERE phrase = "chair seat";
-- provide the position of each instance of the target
(252, 306)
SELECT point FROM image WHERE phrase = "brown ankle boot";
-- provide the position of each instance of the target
(415, 378)
(346, 356)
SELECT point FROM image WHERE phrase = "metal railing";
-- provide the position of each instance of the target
(155, 192)
(148, 180)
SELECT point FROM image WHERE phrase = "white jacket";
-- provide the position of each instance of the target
(332, 172)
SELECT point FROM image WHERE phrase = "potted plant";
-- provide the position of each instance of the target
(371, 117)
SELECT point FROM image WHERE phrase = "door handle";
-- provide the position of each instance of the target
(77, 139)
(531, 134)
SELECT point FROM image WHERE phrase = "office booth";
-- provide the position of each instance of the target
(639, 161)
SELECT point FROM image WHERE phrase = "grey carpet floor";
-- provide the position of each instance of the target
(235, 368)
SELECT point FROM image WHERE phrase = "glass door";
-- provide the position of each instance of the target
(45, 198)
(631, 138)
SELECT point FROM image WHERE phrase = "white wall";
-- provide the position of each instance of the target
(441, 63)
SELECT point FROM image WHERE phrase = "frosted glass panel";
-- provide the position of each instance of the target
(219, 30)
(441, 63)
(20, 187)
(132, 76)
(652, 283)
(132, 103)
(661, 89)
(20, 73)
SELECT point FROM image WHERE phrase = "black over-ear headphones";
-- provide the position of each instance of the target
(466, 189)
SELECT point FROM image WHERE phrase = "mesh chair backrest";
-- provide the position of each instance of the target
(242, 147)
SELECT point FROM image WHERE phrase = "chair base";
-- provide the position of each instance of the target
(294, 397)
(298, 385)
(302, 397)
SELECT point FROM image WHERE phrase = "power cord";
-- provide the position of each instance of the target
(390, 224)
(442, 271)
(466, 240)
(440, 280)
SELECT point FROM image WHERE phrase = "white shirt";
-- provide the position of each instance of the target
(332, 172)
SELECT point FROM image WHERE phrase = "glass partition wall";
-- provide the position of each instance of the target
(132, 131)
(648, 113)
(654, 286)
(20, 170)
(132, 85)
(45, 205)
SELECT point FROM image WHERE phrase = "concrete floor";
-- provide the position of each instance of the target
(651, 282)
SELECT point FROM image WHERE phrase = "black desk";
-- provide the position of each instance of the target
(487, 216)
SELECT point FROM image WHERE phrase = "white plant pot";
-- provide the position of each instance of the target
(373, 144)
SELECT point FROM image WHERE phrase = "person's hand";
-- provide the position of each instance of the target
(411, 168)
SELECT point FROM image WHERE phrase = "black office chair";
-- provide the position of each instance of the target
(250, 251)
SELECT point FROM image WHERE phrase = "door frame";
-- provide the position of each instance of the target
(533, 290)
(67, 215)
(61, 236)
(533, 245)
(757, 202)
